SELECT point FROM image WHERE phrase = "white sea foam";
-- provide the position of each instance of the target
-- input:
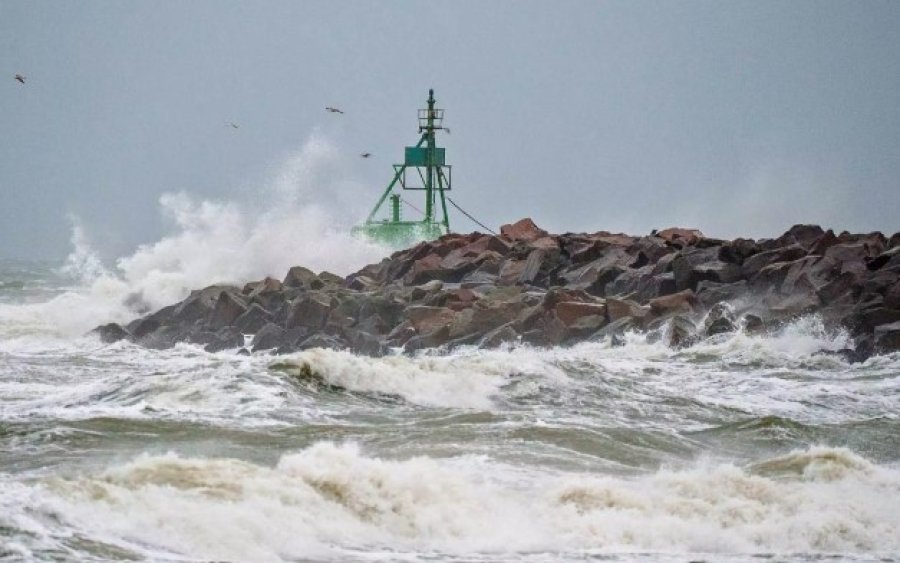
(469, 379)
(301, 215)
(328, 498)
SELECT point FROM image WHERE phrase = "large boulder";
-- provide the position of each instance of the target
(253, 319)
(681, 302)
(680, 237)
(112, 332)
(429, 319)
(302, 278)
(570, 312)
(310, 311)
(887, 337)
(226, 311)
(760, 260)
(522, 230)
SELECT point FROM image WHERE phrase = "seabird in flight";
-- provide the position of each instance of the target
(20, 78)
(366, 154)
(333, 110)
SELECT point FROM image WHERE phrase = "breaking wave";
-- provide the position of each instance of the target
(299, 216)
(331, 501)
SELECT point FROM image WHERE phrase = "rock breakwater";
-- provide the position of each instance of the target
(527, 285)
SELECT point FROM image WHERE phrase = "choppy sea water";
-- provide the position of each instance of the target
(738, 449)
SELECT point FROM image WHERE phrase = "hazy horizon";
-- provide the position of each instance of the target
(739, 119)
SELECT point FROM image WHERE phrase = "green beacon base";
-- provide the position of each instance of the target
(426, 161)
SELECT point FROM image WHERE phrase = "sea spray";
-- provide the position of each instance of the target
(301, 215)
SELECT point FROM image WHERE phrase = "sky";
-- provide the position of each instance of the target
(737, 118)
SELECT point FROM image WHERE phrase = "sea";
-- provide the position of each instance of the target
(740, 448)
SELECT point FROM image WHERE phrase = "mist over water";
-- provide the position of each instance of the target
(739, 447)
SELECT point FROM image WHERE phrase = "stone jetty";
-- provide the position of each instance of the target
(527, 285)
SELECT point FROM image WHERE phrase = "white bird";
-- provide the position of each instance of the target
(20, 78)
(232, 124)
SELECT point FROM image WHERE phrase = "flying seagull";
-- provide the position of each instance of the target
(333, 110)
(232, 124)
(366, 154)
(20, 78)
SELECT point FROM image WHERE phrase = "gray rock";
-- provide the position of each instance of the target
(226, 311)
(310, 311)
(887, 337)
(253, 319)
(112, 332)
(302, 278)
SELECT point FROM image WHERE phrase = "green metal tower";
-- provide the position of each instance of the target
(427, 159)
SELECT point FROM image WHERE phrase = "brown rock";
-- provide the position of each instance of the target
(524, 229)
(428, 319)
(571, 311)
(681, 302)
(620, 308)
(683, 237)
(804, 235)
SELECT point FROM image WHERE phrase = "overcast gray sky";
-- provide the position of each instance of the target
(740, 118)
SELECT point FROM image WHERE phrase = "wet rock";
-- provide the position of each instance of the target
(722, 325)
(620, 308)
(616, 329)
(681, 302)
(426, 320)
(112, 332)
(682, 332)
(753, 324)
(226, 311)
(709, 293)
(719, 319)
(499, 336)
(226, 338)
(570, 312)
(530, 286)
(302, 278)
(272, 336)
(325, 341)
(310, 312)
(253, 319)
(887, 337)
(199, 304)
(262, 287)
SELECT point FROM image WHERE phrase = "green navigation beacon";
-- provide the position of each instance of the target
(431, 175)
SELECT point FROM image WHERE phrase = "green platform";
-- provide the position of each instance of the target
(424, 169)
